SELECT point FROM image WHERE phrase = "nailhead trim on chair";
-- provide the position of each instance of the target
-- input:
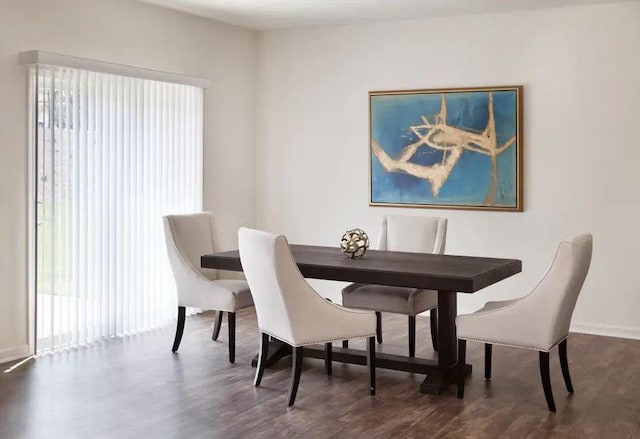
(389, 311)
(320, 341)
(514, 345)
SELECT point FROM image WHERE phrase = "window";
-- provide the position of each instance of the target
(111, 154)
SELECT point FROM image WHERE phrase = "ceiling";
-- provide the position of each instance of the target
(284, 14)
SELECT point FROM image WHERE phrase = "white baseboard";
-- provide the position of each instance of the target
(14, 353)
(607, 330)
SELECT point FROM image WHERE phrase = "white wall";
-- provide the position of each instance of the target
(127, 32)
(580, 68)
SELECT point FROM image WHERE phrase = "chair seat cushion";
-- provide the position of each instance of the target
(239, 289)
(494, 323)
(221, 294)
(490, 306)
(400, 300)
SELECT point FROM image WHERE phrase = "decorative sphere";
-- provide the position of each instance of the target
(354, 243)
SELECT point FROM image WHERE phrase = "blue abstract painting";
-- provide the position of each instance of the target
(447, 148)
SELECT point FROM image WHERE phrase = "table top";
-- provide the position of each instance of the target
(465, 274)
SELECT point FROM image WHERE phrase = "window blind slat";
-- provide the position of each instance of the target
(52, 210)
(67, 163)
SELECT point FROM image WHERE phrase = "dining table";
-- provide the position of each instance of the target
(449, 275)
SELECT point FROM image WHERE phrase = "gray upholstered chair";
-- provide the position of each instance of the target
(188, 237)
(417, 234)
(290, 310)
(538, 321)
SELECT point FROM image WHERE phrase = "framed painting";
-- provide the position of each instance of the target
(446, 148)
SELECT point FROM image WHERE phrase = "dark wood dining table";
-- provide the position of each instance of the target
(447, 274)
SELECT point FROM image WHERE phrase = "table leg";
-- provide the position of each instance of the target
(447, 342)
(436, 382)
(277, 351)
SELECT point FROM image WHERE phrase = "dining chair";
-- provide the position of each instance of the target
(291, 311)
(415, 234)
(538, 321)
(188, 237)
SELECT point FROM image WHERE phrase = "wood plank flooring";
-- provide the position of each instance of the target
(136, 388)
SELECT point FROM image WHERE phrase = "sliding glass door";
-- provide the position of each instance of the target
(112, 154)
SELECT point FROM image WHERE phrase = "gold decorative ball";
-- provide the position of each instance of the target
(354, 243)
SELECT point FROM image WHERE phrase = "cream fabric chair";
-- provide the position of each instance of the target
(188, 237)
(538, 321)
(417, 234)
(290, 310)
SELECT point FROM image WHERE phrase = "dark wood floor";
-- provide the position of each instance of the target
(136, 388)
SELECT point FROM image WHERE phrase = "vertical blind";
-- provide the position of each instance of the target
(113, 154)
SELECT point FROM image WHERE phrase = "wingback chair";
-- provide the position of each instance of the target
(188, 237)
(289, 310)
(538, 321)
(417, 234)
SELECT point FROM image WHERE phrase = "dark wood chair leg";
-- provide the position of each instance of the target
(262, 358)
(412, 336)
(488, 348)
(231, 316)
(328, 357)
(546, 380)
(371, 365)
(345, 344)
(433, 318)
(296, 366)
(379, 326)
(564, 364)
(182, 313)
(217, 325)
(462, 356)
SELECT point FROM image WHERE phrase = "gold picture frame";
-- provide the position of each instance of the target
(447, 148)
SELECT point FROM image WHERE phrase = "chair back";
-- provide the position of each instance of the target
(414, 234)
(188, 237)
(286, 305)
(556, 294)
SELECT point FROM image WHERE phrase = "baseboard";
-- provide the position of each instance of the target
(607, 330)
(13, 353)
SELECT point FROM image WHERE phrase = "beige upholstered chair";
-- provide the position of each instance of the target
(188, 237)
(417, 234)
(289, 310)
(538, 321)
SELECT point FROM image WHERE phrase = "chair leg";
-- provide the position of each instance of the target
(328, 357)
(262, 358)
(217, 325)
(564, 364)
(433, 319)
(487, 360)
(462, 357)
(371, 365)
(379, 326)
(231, 316)
(182, 312)
(412, 336)
(546, 380)
(345, 344)
(296, 365)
